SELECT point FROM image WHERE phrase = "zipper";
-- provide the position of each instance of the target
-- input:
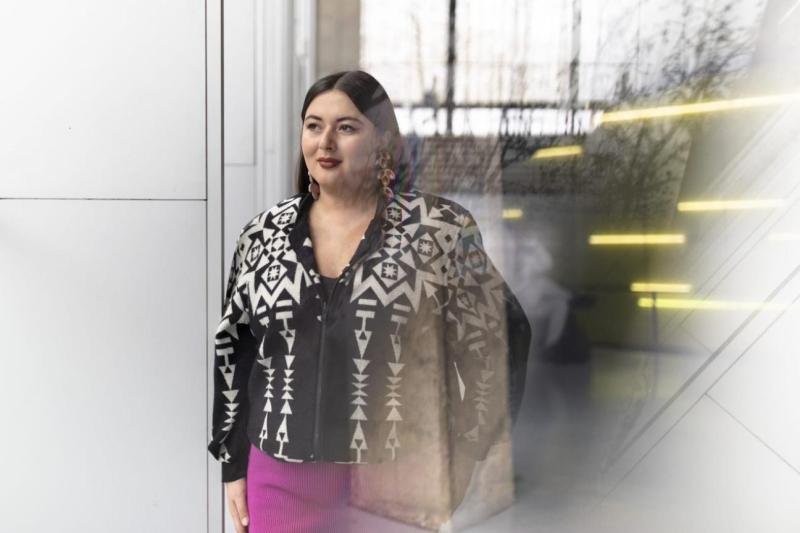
(320, 366)
(316, 453)
(365, 251)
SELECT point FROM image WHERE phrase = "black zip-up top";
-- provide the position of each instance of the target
(420, 332)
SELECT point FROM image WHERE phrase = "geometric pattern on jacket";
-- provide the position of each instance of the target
(307, 378)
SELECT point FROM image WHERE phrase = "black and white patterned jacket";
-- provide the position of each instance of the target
(421, 341)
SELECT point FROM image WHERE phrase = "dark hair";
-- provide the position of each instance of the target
(369, 96)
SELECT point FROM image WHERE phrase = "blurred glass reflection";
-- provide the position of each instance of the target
(633, 168)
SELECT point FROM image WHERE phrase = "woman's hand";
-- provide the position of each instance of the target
(236, 492)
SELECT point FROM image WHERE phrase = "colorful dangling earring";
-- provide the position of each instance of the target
(386, 175)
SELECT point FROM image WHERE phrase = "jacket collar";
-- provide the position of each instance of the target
(300, 233)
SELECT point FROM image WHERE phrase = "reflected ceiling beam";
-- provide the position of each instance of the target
(707, 305)
(557, 151)
(714, 106)
(661, 287)
(728, 205)
(636, 239)
(512, 213)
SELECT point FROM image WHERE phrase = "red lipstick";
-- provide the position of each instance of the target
(328, 162)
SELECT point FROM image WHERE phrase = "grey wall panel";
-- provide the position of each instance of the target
(107, 99)
(240, 83)
(338, 36)
(103, 388)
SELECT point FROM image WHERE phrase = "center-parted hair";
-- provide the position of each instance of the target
(370, 98)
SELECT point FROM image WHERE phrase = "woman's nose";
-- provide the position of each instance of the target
(326, 139)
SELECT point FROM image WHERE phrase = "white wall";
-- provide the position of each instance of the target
(109, 152)
(103, 100)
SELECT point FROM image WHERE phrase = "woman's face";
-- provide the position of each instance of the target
(338, 142)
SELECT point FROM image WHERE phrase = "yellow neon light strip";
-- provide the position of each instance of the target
(557, 151)
(695, 108)
(644, 286)
(652, 238)
(512, 213)
(705, 305)
(723, 205)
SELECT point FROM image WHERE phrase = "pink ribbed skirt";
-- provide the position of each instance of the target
(296, 497)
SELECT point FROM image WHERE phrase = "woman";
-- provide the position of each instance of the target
(366, 304)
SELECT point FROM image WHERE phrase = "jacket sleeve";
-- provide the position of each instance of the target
(487, 338)
(235, 349)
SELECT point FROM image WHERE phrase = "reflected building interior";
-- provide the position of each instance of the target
(632, 167)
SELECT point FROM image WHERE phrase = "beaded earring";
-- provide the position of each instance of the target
(383, 163)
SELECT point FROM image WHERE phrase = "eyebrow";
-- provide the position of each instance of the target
(340, 119)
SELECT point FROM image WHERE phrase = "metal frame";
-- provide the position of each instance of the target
(215, 196)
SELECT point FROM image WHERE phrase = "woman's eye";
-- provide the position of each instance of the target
(347, 128)
(312, 126)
